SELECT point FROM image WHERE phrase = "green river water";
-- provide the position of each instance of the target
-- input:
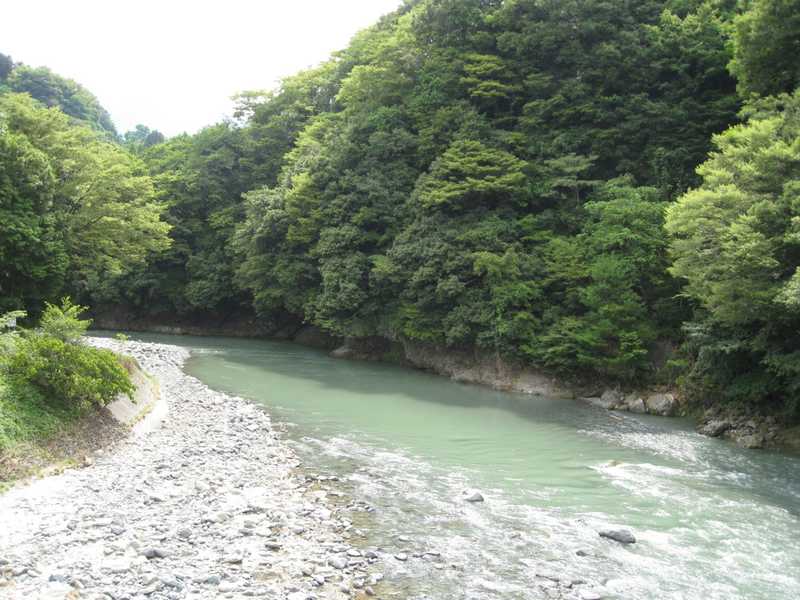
(713, 521)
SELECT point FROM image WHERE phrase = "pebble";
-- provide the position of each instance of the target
(155, 553)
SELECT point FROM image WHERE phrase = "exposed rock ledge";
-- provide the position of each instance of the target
(747, 430)
(664, 404)
(460, 365)
(490, 370)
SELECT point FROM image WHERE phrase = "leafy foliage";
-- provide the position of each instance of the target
(736, 242)
(461, 187)
(767, 43)
(473, 174)
(53, 90)
(64, 322)
(71, 203)
(52, 360)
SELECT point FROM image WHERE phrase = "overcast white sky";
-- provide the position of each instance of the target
(174, 64)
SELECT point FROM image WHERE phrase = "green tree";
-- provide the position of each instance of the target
(82, 205)
(6, 66)
(616, 286)
(33, 259)
(736, 243)
(766, 46)
(53, 90)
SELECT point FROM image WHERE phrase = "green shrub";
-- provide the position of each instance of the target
(64, 322)
(79, 376)
(52, 361)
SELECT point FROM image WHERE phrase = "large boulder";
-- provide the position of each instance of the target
(611, 399)
(715, 427)
(344, 351)
(623, 536)
(472, 496)
(314, 337)
(634, 404)
(748, 440)
(661, 404)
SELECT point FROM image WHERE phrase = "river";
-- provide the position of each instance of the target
(713, 521)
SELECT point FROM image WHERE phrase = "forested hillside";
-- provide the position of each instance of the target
(518, 177)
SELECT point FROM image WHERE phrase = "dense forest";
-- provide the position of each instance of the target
(609, 189)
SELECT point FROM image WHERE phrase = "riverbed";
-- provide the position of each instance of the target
(205, 503)
(712, 521)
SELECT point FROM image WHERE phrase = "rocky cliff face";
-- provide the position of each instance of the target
(468, 366)
(483, 368)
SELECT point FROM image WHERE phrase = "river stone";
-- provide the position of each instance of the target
(612, 399)
(118, 566)
(343, 352)
(472, 496)
(155, 553)
(338, 562)
(751, 440)
(623, 536)
(715, 427)
(634, 404)
(661, 404)
(170, 581)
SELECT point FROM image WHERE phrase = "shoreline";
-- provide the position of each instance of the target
(209, 502)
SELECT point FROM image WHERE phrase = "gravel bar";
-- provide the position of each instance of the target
(209, 504)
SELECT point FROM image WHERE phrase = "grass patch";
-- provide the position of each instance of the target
(26, 419)
(25, 415)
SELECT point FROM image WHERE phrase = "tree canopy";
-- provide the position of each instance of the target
(517, 178)
(77, 210)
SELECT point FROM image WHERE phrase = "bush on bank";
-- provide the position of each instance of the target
(48, 377)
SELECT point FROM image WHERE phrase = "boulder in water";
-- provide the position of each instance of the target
(715, 427)
(661, 404)
(611, 399)
(749, 440)
(472, 496)
(623, 536)
(634, 404)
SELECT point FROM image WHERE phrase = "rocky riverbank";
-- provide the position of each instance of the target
(209, 504)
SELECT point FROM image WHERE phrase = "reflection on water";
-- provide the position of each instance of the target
(713, 521)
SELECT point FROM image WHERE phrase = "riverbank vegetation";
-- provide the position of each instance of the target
(49, 380)
(515, 177)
